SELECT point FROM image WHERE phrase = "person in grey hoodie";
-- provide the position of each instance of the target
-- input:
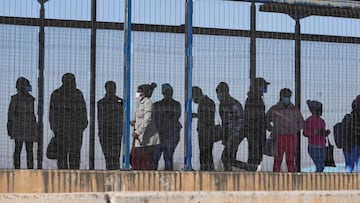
(285, 121)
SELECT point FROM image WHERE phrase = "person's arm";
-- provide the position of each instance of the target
(83, 113)
(139, 131)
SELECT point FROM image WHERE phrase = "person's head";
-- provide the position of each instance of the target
(315, 107)
(196, 94)
(355, 105)
(23, 85)
(167, 90)
(68, 80)
(285, 96)
(222, 91)
(146, 90)
(110, 87)
(260, 85)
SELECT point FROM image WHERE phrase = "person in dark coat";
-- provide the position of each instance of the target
(110, 123)
(205, 126)
(255, 120)
(68, 120)
(21, 123)
(232, 120)
(351, 148)
(167, 113)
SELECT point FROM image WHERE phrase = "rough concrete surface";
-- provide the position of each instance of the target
(54, 198)
(188, 197)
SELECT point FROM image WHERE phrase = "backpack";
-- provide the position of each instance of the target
(339, 135)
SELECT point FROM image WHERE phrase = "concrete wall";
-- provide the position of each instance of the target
(58, 181)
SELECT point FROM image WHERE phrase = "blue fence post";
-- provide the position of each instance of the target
(188, 84)
(126, 75)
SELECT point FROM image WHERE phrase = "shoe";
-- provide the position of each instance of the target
(258, 168)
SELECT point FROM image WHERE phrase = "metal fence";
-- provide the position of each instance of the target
(311, 49)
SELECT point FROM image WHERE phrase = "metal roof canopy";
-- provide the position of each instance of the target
(302, 11)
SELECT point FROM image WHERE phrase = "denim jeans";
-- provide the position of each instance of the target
(351, 158)
(317, 154)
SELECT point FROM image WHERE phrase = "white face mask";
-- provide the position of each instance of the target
(137, 95)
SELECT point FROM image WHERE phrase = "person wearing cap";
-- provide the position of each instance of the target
(255, 120)
(232, 121)
(167, 113)
(68, 120)
(206, 122)
(146, 136)
(110, 123)
(315, 131)
(351, 148)
(284, 122)
(21, 124)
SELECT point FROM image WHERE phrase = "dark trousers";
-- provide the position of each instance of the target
(29, 154)
(206, 158)
(228, 156)
(167, 148)
(69, 151)
(255, 147)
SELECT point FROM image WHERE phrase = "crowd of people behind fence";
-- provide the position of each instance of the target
(156, 127)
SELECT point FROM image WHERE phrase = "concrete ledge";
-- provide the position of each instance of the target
(235, 197)
(54, 198)
(65, 181)
(187, 197)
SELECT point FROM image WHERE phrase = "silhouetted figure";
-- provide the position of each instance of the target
(110, 123)
(68, 120)
(21, 123)
(255, 120)
(351, 139)
(146, 136)
(167, 113)
(285, 121)
(232, 119)
(205, 126)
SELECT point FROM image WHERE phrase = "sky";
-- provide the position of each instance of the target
(329, 70)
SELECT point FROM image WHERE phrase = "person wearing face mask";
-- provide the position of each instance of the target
(68, 120)
(21, 124)
(351, 147)
(232, 121)
(111, 122)
(146, 136)
(167, 113)
(255, 121)
(285, 121)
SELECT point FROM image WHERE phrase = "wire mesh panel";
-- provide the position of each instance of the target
(311, 49)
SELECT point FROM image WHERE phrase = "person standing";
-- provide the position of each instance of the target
(21, 124)
(68, 120)
(232, 120)
(167, 113)
(285, 121)
(205, 127)
(110, 122)
(146, 136)
(255, 120)
(315, 131)
(351, 147)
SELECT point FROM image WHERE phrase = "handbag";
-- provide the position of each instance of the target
(52, 150)
(218, 133)
(140, 158)
(270, 146)
(329, 156)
